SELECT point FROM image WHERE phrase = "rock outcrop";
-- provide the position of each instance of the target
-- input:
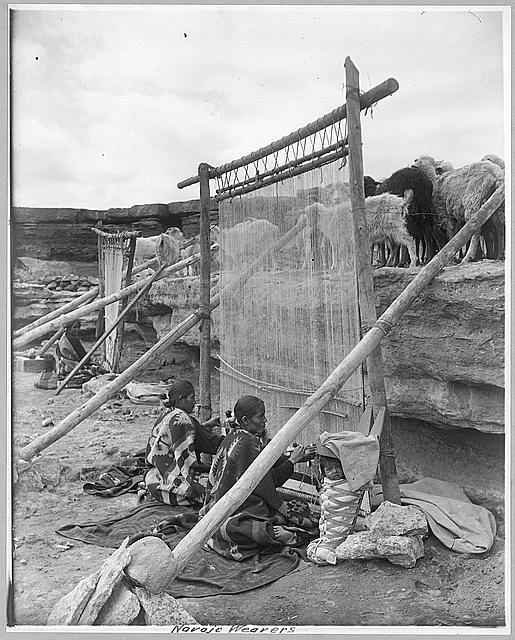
(444, 360)
(55, 234)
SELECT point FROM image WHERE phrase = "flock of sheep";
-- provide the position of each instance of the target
(418, 208)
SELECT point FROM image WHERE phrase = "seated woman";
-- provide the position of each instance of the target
(177, 476)
(70, 351)
(264, 521)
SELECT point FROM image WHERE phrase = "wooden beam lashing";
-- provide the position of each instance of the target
(366, 295)
(205, 295)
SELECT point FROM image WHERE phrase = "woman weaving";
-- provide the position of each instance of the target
(177, 476)
(264, 521)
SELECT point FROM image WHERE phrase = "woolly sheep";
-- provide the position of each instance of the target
(419, 221)
(385, 215)
(146, 247)
(491, 157)
(459, 194)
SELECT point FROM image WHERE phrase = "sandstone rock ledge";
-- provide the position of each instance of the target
(444, 360)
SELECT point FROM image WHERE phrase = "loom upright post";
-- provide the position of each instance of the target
(365, 282)
(205, 294)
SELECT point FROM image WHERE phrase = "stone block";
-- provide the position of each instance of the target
(120, 609)
(357, 546)
(391, 519)
(401, 550)
(162, 610)
(111, 574)
(151, 565)
(29, 365)
(69, 608)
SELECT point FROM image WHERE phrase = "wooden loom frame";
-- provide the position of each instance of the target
(350, 147)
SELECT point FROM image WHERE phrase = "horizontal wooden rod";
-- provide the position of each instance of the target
(369, 98)
(190, 545)
(295, 171)
(284, 167)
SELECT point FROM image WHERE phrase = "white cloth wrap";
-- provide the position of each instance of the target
(339, 507)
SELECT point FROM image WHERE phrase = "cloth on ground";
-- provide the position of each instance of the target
(250, 530)
(358, 454)
(208, 573)
(459, 524)
(146, 392)
(124, 477)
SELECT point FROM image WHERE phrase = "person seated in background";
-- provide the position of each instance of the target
(70, 351)
(177, 476)
(264, 521)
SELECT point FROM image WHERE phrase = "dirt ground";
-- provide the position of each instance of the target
(444, 589)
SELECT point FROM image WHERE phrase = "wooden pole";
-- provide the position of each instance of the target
(65, 319)
(101, 286)
(366, 295)
(106, 334)
(69, 306)
(77, 416)
(117, 350)
(189, 546)
(205, 295)
(57, 335)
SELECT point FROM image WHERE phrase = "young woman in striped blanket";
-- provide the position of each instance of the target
(177, 476)
(264, 522)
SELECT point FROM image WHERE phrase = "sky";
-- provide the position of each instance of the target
(111, 106)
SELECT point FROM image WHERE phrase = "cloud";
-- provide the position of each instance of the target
(115, 105)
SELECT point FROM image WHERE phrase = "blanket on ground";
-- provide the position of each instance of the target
(209, 573)
(124, 477)
(459, 524)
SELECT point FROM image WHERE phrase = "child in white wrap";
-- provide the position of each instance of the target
(348, 462)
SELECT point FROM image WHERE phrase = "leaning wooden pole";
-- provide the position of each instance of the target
(109, 331)
(366, 295)
(190, 545)
(205, 295)
(80, 414)
(67, 318)
(84, 298)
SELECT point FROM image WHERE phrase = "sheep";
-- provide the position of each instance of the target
(370, 186)
(443, 167)
(146, 247)
(386, 221)
(246, 241)
(491, 157)
(459, 194)
(419, 222)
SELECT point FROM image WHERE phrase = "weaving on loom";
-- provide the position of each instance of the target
(288, 325)
(115, 255)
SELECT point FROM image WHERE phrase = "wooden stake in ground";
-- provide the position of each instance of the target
(366, 295)
(205, 296)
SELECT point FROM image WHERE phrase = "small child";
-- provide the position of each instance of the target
(340, 498)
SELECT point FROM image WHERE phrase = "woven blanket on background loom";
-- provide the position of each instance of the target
(459, 524)
(208, 574)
